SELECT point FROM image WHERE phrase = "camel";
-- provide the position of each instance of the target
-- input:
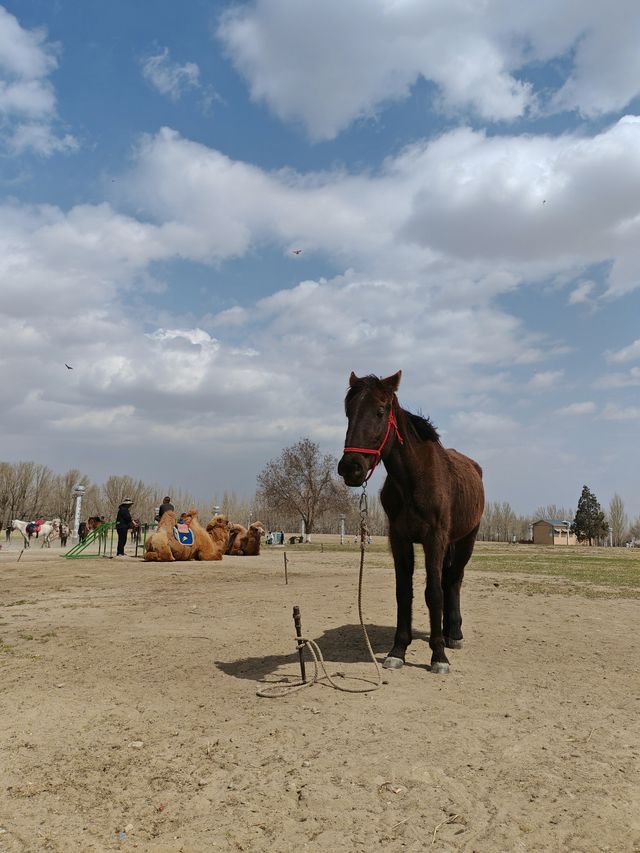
(218, 530)
(243, 542)
(163, 547)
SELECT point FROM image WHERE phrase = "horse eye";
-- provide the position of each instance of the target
(380, 411)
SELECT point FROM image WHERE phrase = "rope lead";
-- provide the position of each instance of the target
(284, 688)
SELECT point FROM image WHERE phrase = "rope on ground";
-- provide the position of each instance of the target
(284, 688)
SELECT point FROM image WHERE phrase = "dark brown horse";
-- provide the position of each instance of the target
(432, 496)
(85, 527)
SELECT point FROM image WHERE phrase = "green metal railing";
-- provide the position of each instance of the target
(98, 534)
(104, 536)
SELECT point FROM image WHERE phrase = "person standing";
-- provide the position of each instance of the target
(123, 524)
(164, 506)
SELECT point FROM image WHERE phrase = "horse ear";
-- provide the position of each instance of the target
(352, 379)
(393, 382)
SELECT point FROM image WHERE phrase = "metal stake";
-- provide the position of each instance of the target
(298, 624)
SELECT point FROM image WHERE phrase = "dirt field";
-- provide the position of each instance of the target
(129, 717)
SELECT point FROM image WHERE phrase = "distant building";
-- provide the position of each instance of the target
(552, 532)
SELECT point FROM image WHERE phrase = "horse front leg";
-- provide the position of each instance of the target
(435, 549)
(403, 562)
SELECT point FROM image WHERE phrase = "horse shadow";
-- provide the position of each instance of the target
(343, 644)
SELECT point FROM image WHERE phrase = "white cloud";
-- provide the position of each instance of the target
(24, 54)
(465, 209)
(581, 293)
(329, 64)
(545, 379)
(27, 97)
(620, 380)
(486, 423)
(628, 353)
(40, 137)
(613, 412)
(578, 409)
(168, 77)
(278, 368)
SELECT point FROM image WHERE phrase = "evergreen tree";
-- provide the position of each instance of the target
(590, 522)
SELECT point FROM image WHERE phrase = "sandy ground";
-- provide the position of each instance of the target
(129, 717)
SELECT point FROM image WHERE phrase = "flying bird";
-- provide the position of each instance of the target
(68, 366)
(296, 251)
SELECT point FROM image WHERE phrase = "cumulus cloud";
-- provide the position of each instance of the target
(628, 353)
(581, 294)
(27, 96)
(578, 409)
(613, 412)
(282, 47)
(297, 54)
(169, 77)
(465, 206)
(545, 379)
(620, 380)
(410, 293)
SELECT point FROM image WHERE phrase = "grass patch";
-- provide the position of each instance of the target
(605, 567)
(591, 572)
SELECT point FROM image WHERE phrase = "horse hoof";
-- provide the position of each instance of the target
(453, 644)
(440, 668)
(392, 663)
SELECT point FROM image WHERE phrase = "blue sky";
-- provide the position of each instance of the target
(463, 180)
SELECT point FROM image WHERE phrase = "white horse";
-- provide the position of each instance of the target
(16, 524)
(49, 531)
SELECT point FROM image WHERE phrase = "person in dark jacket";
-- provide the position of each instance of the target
(164, 506)
(123, 523)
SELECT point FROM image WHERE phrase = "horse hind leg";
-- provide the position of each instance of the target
(455, 561)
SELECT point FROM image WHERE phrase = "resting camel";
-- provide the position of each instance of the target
(163, 547)
(243, 542)
(218, 530)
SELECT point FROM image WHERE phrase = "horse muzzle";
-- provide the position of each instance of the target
(353, 469)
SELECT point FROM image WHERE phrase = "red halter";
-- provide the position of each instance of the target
(377, 453)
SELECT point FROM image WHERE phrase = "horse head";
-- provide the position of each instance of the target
(369, 406)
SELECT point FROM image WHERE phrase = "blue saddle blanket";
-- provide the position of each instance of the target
(183, 534)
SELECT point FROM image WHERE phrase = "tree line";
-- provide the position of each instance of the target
(30, 490)
(297, 490)
(589, 522)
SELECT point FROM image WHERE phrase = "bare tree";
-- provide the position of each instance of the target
(552, 512)
(500, 523)
(19, 490)
(61, 500)
(487, 522)
(618, 520)
(5, 479)
(303, 484)
(119, 487)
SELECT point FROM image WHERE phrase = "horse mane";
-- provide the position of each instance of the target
(421, 427)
